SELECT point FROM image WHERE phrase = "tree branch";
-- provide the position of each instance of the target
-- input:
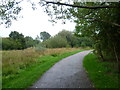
(93, 19)
(77, 6)
(4, 6)
(115, 24)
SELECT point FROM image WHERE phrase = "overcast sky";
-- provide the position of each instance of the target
(34, 22)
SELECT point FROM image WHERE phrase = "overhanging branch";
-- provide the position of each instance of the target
(77, 6)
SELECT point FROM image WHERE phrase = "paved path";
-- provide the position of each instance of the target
(67, 73)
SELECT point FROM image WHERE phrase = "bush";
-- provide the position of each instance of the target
(56, 42)
(54, 54)
(9, 44)
(40, 47)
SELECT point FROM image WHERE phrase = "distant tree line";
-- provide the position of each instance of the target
(17, 41)
(67, 39)
(64, 38)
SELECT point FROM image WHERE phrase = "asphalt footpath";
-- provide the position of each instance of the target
(67, 73)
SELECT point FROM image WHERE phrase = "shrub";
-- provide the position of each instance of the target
(56, 42)
(40, 47)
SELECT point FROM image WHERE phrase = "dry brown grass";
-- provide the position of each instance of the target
(14, 60)
(58, 50)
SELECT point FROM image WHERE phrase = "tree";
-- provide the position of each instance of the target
(44, 35)
(67, 38)
(9, 44)
(17, 41)
(99, 20)
(18, 38)
(9, 10)
(68, 35)
(104, 34)
(56, 42)
(74, 41)
(62, 10)
(6, 44)
(15, 35)
(29, 41)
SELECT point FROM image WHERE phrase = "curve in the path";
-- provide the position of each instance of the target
(67, 73)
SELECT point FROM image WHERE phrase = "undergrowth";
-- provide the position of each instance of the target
(102, 74)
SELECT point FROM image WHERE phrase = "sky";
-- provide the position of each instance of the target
(34, 22)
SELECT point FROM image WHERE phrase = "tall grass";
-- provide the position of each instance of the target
(14, 60)
(22, 67)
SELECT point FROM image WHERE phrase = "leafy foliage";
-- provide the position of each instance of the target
(64, 38)
(67, 39)
(56, 42)
(18, 38)
(9, 44)
(98, 20)
(9, 11)
(17, 41)
(44, 35)
(99, 26)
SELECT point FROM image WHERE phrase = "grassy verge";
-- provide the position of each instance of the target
(102, 74)
(29, 75)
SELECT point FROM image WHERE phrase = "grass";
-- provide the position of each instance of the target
(20, 71)
(102, 74)
(15, 60)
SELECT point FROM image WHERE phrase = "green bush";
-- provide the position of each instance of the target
(40, 47)
(56, 42)
(54, 54)
(83, 44)
(9, 44)
(67, 39)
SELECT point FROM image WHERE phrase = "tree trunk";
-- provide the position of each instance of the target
(100, 53)
(115, 53)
